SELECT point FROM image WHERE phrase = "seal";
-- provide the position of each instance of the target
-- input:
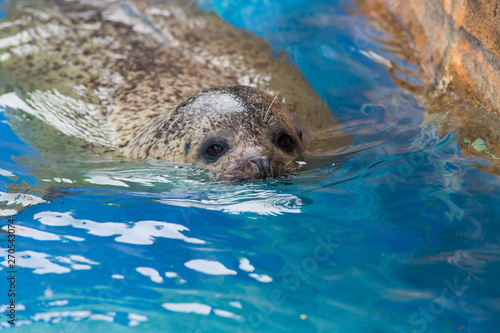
(236, 132)
(119, 76)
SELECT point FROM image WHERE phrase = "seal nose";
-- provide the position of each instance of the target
(264, 165)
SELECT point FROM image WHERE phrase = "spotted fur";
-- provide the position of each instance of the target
(139, 62)
(233, 114)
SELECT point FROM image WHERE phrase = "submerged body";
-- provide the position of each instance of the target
(127, 70)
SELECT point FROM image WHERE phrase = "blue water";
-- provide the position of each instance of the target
(400, 235)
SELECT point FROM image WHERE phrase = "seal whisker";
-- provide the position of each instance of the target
(273, 116)
(285, 166)
(289, 168)
(269, 108)
(227, 123)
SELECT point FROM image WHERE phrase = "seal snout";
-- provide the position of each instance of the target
(264, 165)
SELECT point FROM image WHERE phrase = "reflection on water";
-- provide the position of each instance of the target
(43, 265)
(10, 201)
(58, 110)
(263, 202)
(397, 234)
(142, 232)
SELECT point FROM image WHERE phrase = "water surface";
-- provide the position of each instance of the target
(399, 235)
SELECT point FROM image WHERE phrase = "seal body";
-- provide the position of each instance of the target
(122, 73)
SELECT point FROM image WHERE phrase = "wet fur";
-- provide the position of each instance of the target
(137, 70)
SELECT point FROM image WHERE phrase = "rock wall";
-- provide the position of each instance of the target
(455, 44)
(454, 39)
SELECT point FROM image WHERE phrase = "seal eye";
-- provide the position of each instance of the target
(214, 151)
(285, 142)
(213, 148)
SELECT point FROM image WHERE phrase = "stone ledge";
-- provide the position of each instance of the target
(455, 44)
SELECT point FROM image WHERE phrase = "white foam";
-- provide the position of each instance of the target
(151, 273)
(73, 238)
(101, 317)
(138, 317)
(142, 232)
(73, 260)
(209, 267)
(79, 258)
(33, 233)
(59, 303)
(80, 267)
(20, 199)
(262, 202)
(236, 304)
(261, 277)
(103, 180)
(171, 274)
(39, 261)
(56, 316)
(226, 314)
(23, 323)
(6, 173)
(197, 308)
(144, 177)
(245, 265)
(8, 212)
(43, 263)
(4, 308)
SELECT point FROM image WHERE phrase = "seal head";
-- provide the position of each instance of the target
(236, 132)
